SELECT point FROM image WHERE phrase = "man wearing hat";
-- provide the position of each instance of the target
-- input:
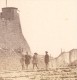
(35, 60)
(46, 59)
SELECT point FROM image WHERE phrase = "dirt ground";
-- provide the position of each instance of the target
(51, 74)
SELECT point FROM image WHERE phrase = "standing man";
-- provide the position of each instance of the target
(22, 61)
(46, 59)
(35, 60)
(27, 60)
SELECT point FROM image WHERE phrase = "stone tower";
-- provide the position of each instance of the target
(12, 41)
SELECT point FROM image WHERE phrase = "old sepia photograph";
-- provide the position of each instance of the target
(38, 39)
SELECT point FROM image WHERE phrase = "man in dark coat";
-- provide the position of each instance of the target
(46, 59)
(27, 59)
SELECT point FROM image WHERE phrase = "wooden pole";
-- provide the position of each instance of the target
(6, 3)
(61, 50)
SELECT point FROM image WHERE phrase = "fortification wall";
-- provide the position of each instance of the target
(65, 59)
(12, 41)
(73, 55)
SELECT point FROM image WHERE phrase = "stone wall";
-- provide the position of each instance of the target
(73, 55)
(65, 58)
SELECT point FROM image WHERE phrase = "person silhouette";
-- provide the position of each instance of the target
(46, 59)
(22, 61)
(35, 60)
(27, 60)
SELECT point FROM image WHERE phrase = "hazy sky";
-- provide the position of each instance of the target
(48, 24)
